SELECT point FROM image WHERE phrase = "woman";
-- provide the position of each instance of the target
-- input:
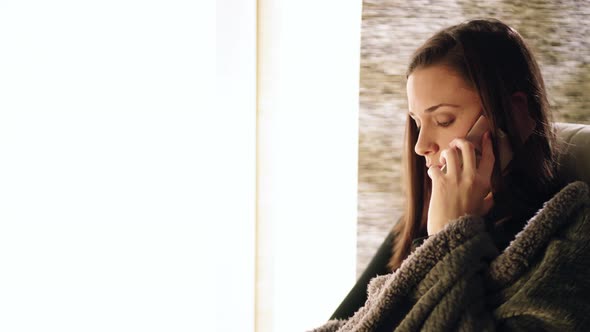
(490, 239)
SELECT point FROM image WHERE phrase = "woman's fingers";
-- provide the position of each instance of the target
(486, 164)
(488, 203)
(467, 154)
(434, 173)
(450, 157)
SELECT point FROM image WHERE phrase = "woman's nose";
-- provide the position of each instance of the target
(425, 144)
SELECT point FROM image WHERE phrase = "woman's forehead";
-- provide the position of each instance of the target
(437, 84)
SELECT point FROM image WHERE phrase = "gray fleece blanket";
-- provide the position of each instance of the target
(457, 280)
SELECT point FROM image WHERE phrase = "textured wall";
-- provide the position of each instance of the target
(557, 31)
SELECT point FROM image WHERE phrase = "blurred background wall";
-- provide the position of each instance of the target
(557, 31)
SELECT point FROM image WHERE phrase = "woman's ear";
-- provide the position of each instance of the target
(522, 116)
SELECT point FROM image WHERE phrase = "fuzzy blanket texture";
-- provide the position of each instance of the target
(457, 280)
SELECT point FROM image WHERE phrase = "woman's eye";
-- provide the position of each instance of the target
(444, 123)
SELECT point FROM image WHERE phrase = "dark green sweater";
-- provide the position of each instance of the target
(458, 280)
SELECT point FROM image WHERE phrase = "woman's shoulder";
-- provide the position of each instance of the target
(555, 212)
(574, 191)
(567, 208)
(571, 200)
(547, 267)
(564, 218)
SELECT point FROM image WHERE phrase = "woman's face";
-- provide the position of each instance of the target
(443, 106)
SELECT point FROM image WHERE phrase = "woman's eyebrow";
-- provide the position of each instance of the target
(435, 107)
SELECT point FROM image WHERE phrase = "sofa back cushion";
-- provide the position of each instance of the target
(574, 162)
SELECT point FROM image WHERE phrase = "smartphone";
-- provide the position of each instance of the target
(476, 133)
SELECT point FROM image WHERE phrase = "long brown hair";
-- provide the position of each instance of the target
(495, 61)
